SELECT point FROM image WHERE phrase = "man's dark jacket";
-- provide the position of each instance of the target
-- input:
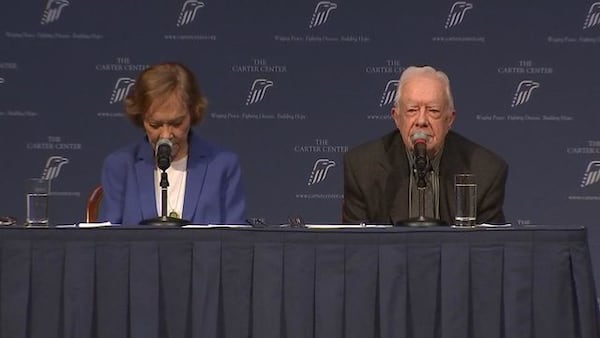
(376, 180)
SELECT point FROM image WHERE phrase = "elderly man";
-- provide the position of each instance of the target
(380, 185)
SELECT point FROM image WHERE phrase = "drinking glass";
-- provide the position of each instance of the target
(37, 201)
(465, 188)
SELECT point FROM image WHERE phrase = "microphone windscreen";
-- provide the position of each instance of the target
(418, 136)
(164, 142)
(163, 153)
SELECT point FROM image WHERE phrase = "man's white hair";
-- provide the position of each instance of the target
(425, 71)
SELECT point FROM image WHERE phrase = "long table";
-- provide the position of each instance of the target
(215, 282)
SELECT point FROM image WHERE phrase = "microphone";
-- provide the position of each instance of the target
(164, 148)
(419, 140)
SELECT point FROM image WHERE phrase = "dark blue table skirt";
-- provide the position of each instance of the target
(151, 283)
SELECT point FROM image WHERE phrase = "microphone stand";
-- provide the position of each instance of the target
(421, 220)
(164, 219)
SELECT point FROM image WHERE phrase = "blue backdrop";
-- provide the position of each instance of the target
(292, 85)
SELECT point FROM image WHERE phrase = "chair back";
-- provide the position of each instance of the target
(93, 205)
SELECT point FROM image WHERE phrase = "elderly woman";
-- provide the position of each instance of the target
(204, 179)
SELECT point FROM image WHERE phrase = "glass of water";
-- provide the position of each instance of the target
(37, 201)
(465, 188)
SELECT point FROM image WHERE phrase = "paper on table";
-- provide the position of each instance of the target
(346, 226)
(95, 225)
(205, 226)
(486, 225)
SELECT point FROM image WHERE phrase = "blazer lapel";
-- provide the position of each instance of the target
(144, 170)
(397, 183)
(452, 163)
(196, 173)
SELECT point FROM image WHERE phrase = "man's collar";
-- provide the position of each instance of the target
(434, 163)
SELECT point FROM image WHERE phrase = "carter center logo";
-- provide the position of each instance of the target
(188, 12)
(593, 17)
(53, 10)
(321, 13)
(320, 170)
(389, 93)
(53, 166)
(121, 89)
(457, 13)
(591, 175)
(523, 92)
(258, 90)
